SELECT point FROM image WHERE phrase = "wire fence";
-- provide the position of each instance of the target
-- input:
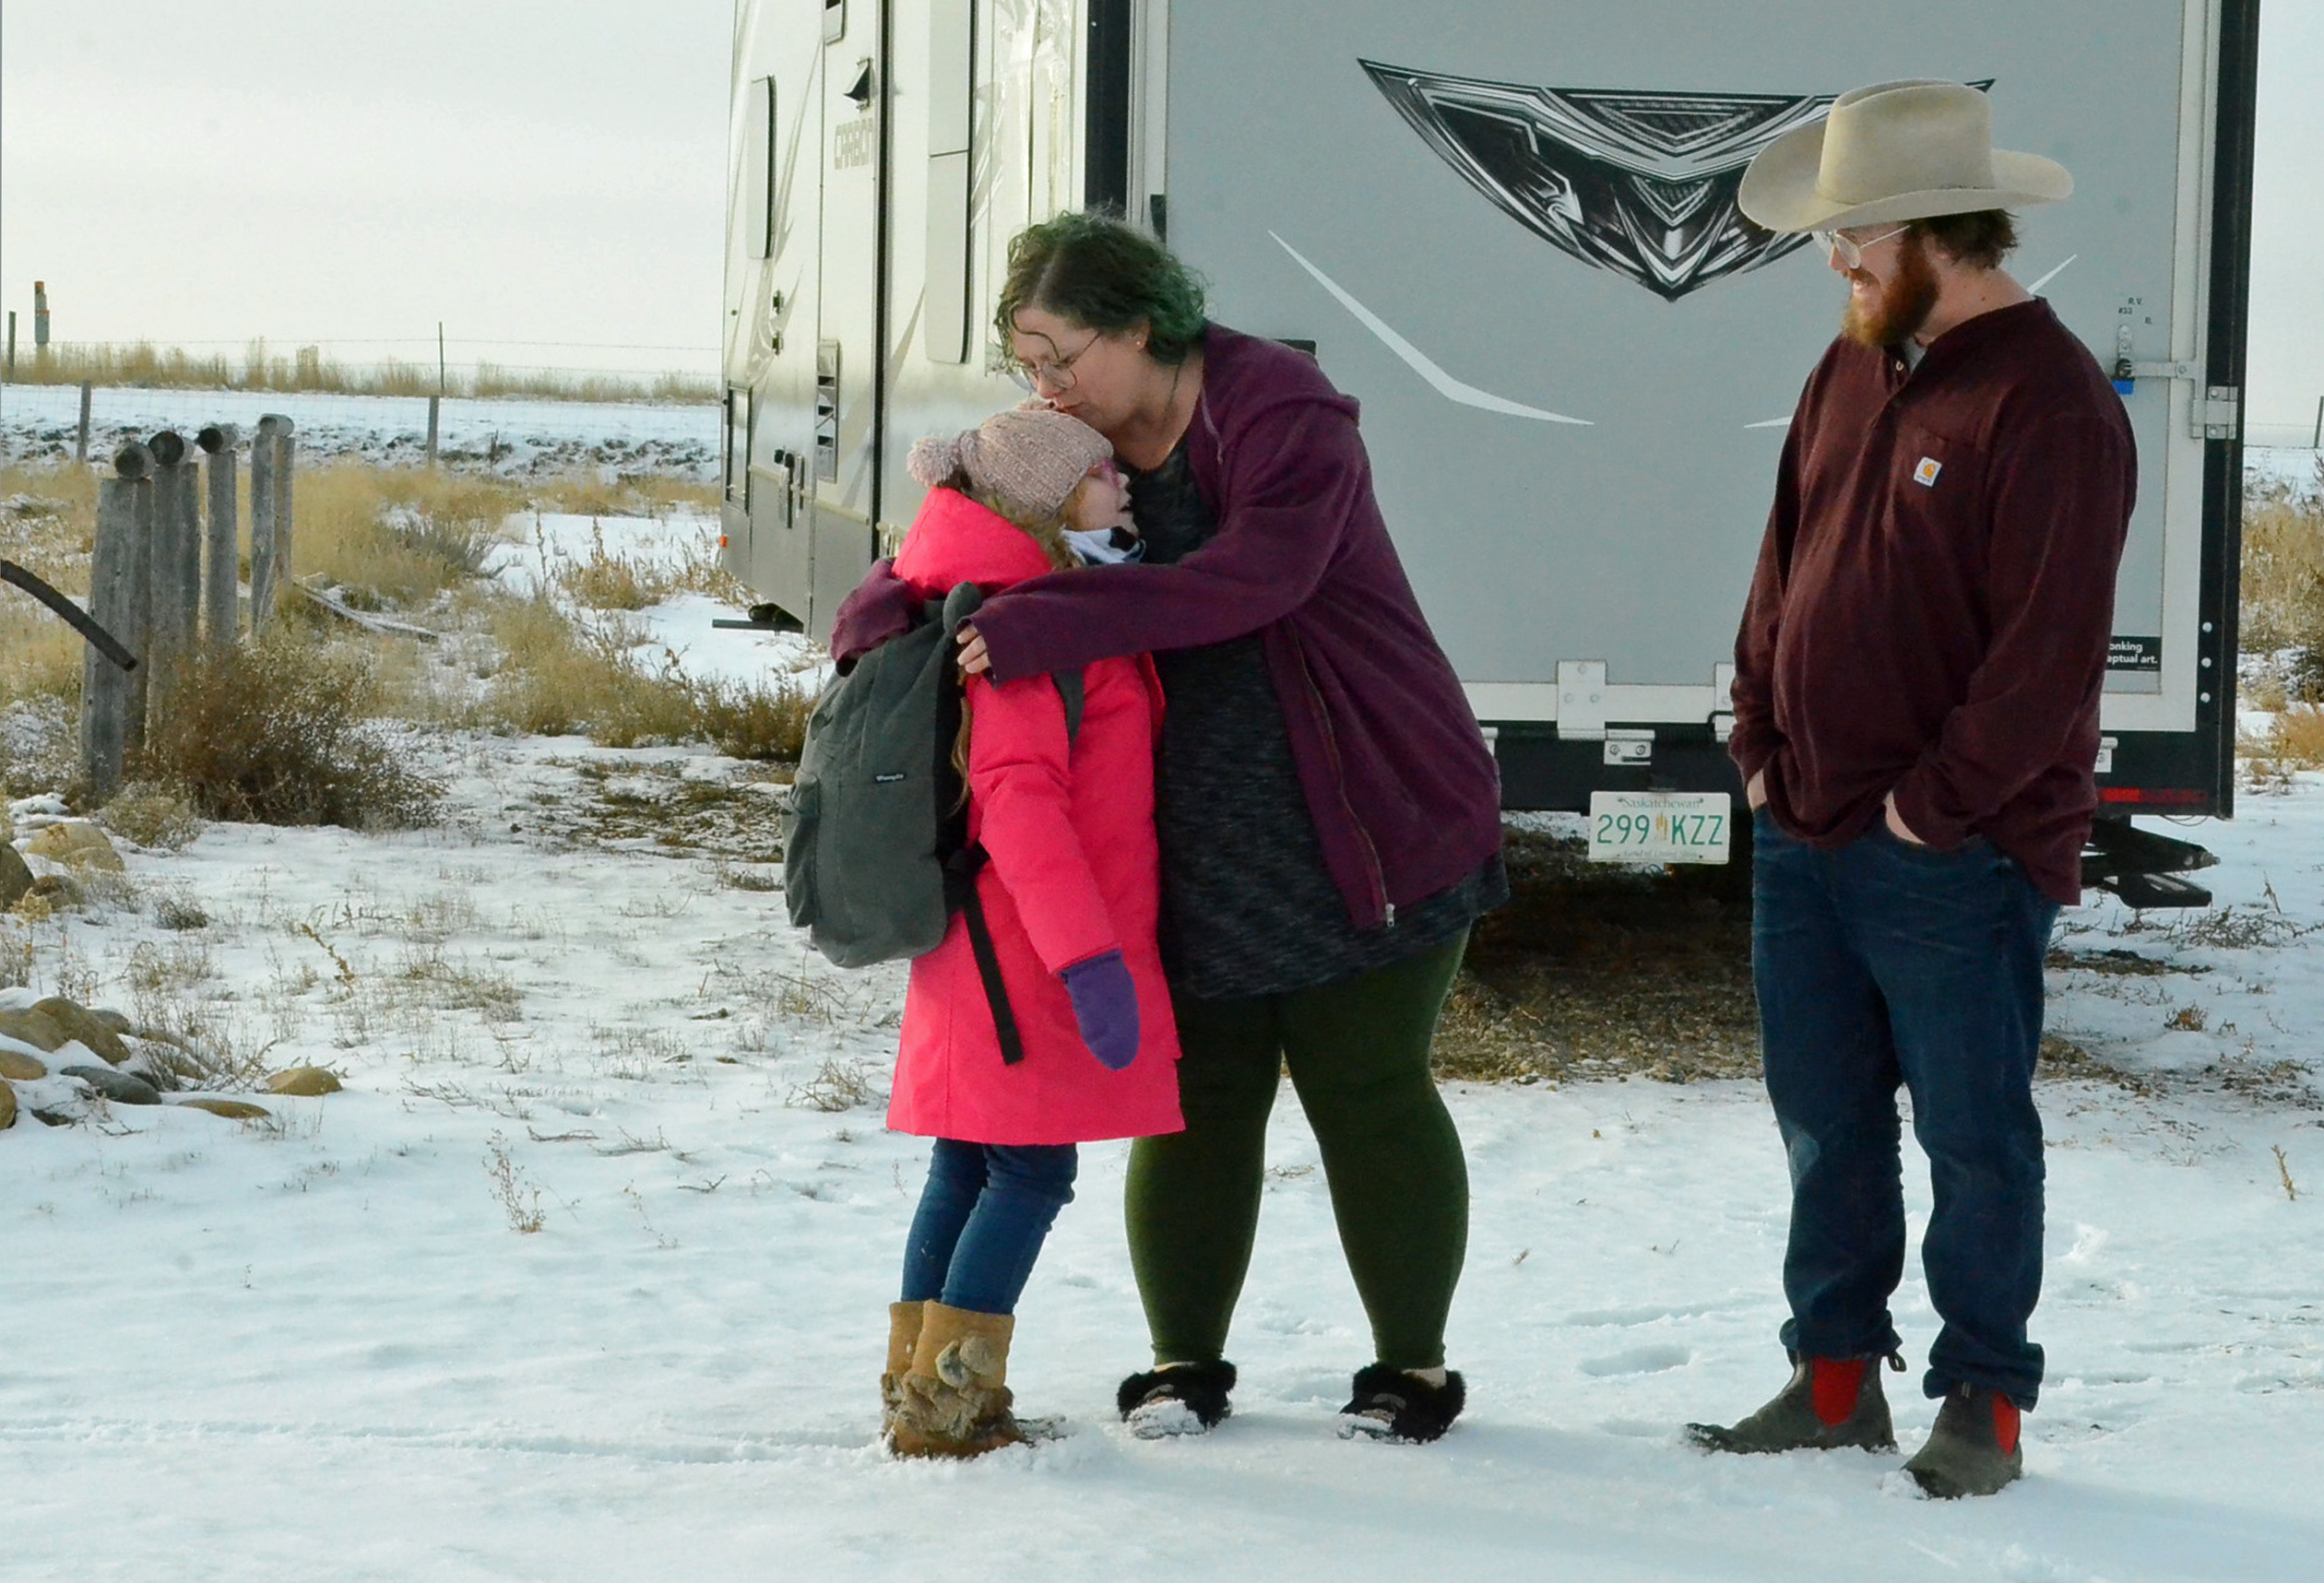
(42, 425)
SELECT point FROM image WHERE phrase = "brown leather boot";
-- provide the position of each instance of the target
(956, 1397)
(903, 1328)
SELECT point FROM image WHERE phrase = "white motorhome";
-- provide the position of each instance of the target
(1509, 231)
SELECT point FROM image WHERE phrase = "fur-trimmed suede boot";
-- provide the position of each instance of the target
(903, 1328)
(955, 1397)
(1973, 1449)
(1176, 1399)
(1398, 1405)
(1830, 1402)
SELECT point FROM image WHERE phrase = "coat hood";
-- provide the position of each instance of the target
(955, 541)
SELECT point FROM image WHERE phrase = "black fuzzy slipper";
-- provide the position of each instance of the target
(1392, 1405)
(1187, 1398)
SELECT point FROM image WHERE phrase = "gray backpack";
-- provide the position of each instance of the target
(876, 856)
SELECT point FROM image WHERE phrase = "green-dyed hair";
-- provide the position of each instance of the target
(1105, 274)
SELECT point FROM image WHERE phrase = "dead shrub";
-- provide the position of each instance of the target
(153, 815)
(2293, 740)
(754, 719)
(39, 745)
(280, 732)
(614, 583)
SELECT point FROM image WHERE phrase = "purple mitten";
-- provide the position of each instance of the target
(1105, 1007)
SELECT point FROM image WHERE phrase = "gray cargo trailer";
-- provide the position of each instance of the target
(1508, 229)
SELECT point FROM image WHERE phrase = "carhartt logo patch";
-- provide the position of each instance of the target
(1925, 474)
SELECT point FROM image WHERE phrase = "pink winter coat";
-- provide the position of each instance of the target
(1074, 872)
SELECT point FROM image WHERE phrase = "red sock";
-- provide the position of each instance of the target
(1834, 1384)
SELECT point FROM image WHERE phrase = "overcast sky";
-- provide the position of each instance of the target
(207, 171)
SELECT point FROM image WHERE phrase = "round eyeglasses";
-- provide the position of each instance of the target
(1052, 374)
(1847, 249)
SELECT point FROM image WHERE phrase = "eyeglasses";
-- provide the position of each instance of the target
(1057, 373)
(1847, 249)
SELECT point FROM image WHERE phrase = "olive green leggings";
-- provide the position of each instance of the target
(1359, 1056)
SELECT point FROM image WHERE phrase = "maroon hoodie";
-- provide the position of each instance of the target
(1403, 789)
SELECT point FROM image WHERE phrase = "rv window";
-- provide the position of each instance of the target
(758, 168)
(738, 443)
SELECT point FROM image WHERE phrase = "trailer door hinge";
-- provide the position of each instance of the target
(2217, 414)
(1582, 699)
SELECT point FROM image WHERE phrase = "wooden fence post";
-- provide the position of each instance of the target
(221, 572)
(286, 451)
(80, 441)
(262, 523)
(434, 402)
(173, 568)
(110, 699)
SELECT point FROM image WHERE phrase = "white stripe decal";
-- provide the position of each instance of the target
(2052, 274)
(1451, 388)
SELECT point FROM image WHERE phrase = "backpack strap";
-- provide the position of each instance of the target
(960, 877)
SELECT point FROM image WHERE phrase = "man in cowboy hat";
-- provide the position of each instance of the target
(1915, 721)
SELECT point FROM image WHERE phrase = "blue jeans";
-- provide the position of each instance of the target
(1880, 963)
(983, 1215)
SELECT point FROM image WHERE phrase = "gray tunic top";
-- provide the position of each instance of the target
(1248, 907)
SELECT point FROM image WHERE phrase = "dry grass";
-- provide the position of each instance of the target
(396, 537)
(2282, 605)
(142, 363)
(559, 676)
(655, 495)
(48, 521)
(2293, 740)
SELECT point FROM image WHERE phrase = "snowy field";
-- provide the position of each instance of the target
(38, 421)
(323, 1348)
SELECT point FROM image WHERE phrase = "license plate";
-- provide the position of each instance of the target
(1659, 827)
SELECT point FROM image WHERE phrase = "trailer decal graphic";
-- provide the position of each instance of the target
(1641, 185)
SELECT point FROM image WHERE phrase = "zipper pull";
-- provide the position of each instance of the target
(1391, 915)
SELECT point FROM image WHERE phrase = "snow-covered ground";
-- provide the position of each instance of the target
(323, 1348)
(37, 423)
(676, 631)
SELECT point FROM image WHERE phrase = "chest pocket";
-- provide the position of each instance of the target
(1936, 490)
(1938, 523)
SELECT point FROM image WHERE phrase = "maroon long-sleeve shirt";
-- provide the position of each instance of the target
(1935, 592)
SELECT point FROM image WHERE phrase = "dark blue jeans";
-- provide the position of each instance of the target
(1882, 964)
(983, 1215)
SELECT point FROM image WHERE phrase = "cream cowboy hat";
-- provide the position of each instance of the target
(1892, 152)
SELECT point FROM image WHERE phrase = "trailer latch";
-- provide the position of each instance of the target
(1628, 746)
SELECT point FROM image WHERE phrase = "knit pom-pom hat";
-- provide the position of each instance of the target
(1028, 459)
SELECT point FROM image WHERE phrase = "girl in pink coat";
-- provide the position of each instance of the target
(1070, 893)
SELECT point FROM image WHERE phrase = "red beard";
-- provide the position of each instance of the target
(1902, 305)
